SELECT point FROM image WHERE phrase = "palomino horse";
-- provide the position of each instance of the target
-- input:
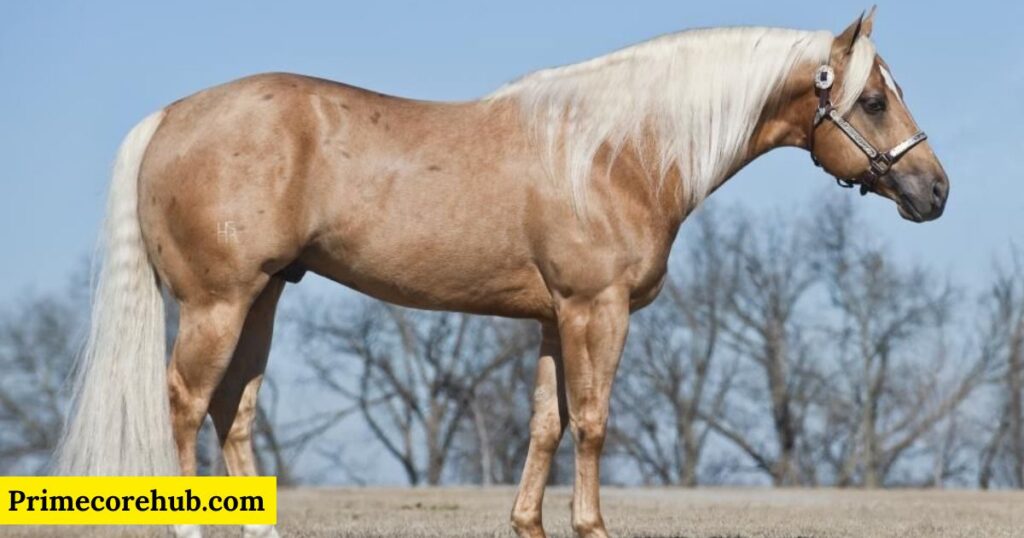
(556, 198)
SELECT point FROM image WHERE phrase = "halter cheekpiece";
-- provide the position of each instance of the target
(879, 163)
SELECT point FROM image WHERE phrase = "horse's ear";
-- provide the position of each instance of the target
(860, 28)
(867, 22)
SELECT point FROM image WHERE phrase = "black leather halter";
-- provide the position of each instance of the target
(879, 163)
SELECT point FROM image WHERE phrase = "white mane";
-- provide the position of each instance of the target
(699, 92)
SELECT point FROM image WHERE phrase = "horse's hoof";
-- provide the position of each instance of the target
(187, 531)
(259, 531)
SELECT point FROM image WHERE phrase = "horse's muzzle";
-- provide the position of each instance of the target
(923, 198)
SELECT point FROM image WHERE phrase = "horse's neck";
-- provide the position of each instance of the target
(672, 199)
(784, 124)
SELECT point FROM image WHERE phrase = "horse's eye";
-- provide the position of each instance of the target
(873, 105)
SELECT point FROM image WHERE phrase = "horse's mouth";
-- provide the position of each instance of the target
(907, 210)
(911, 210)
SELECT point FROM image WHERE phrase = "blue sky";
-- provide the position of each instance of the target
(78, 75)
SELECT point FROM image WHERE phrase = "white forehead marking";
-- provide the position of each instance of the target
(887, 76)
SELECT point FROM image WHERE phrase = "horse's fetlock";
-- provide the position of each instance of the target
(589, 525)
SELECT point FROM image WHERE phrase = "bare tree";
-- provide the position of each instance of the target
(39, 339)
(500, 432)
(764, 326)
(668, 377)
(953, 449)
(37, 349)
(1002, 458)
(416, 375)
(894, 384)
(280, 442)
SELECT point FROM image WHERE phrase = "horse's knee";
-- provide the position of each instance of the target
(590, 429)
(546, 431)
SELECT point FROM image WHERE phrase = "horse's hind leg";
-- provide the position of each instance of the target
(233, 407)
(208, 332)
(550, 416)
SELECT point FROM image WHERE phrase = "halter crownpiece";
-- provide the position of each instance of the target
(879, 163)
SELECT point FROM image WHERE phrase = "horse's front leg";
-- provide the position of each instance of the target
(593, 331)
(550, 416)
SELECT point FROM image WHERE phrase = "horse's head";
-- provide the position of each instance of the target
(876, 142)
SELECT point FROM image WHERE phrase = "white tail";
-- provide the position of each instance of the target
(119, 422)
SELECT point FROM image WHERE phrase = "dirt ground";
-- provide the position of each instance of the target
(633, 513)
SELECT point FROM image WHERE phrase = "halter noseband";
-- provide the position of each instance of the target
(879, 163)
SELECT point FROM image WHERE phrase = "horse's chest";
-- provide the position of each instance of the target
(646, 278)
(588, 269)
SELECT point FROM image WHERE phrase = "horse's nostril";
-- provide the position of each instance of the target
(939, 190)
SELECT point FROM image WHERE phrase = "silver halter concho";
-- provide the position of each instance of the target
(879, 162)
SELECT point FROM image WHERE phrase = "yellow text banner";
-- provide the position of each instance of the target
(133, 500)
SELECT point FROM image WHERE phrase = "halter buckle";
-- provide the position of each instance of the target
(880, 165)
(824, 77)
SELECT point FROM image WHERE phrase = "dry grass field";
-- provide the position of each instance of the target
(635, 513)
